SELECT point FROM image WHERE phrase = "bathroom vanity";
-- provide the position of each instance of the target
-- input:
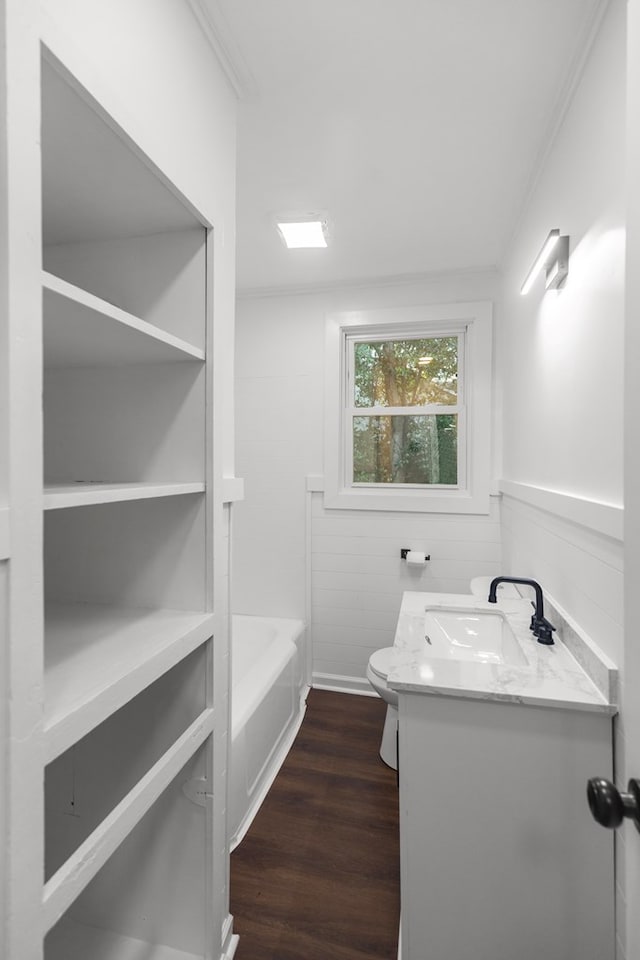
(498, 735)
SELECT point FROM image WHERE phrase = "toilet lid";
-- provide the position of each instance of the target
(382, 661)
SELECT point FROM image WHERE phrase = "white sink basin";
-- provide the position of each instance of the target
(481, 636)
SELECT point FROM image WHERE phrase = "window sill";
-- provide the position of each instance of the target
(406, 501)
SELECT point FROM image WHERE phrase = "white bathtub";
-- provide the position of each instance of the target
(268, 698)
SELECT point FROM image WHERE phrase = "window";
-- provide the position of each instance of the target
(408, 409)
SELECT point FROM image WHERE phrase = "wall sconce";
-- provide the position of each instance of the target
(554, 257)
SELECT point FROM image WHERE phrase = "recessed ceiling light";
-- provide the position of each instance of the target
(303, 233)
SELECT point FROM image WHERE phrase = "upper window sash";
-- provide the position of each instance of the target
(350, 341)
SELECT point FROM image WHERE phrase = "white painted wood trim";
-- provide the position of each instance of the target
(340, 684)
(221, 40)
(232, 489)
(366, 283)
(315, 484)
(473, 497)
(602, 517)
(230, 939)
(112, 654)
(73, 939)
(100, 316)
(562, 104)
(60, 496)
(82, 866)
(5, 542)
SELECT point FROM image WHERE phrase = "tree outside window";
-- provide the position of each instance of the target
(404, 399)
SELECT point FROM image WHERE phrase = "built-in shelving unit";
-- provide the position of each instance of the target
(79, 940)
(129, 714)
(61, 496)
(99, 657)
(81, 329)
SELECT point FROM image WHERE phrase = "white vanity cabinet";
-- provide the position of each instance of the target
(500, 858)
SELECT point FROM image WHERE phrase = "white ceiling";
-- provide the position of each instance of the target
(416, 124)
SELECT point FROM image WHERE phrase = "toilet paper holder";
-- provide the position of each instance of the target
(405, 551)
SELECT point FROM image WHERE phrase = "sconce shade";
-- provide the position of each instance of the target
(540, 261)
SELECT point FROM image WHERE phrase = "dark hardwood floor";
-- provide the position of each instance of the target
(317, 876)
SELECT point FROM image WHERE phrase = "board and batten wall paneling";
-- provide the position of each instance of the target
(581, 568)
(358, 577)
(279, 404)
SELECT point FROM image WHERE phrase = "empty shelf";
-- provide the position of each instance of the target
(98, 657)
(83, 865)
(58, 496)
(78, 941)
(83, 330)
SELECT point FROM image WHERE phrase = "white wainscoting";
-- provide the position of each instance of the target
(357, 577)
(570, 554)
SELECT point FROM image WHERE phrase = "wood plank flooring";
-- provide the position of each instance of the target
(317, 876)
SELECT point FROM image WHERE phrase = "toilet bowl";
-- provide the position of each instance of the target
(380, 663)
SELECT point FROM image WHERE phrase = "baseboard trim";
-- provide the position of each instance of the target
(341, 684)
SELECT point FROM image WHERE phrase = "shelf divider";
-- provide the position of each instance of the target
(82, 866)
(73, 939)
(99, 657)
(81, 329)
(60, 496)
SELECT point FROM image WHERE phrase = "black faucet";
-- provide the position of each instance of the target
(541, 627)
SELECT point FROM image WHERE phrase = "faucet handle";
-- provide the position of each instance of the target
(544, 631)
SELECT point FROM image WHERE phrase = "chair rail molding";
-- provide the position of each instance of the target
(606, 518)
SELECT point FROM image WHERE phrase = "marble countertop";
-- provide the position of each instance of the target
(552, 677)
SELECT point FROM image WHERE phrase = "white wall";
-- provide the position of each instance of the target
(339, 569)
(562, 358)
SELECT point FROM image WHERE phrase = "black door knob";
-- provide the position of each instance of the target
(609, 806)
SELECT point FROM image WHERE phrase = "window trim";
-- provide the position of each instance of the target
(475, 319)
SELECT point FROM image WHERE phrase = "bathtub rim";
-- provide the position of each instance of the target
(295, 632)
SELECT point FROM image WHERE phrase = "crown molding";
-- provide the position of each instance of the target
(573, 76)
(358, 283)
(225, 47)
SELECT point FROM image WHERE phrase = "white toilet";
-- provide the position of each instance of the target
(380, 663)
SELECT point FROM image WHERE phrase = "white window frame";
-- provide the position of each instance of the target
(473, 323)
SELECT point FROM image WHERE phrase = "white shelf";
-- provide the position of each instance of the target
(83, 865)
(98, 657)
(83, 330)
(58, 496)
(78, 941)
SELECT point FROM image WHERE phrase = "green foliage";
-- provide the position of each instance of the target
(422, 450)
(415, 449)
(406, 373)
